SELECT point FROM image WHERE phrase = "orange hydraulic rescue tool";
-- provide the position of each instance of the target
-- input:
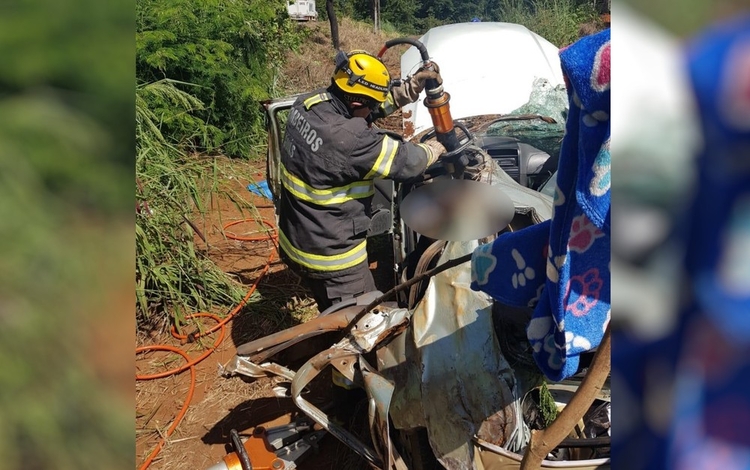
(437, 103)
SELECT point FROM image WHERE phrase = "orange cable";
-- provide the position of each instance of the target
(185, 405)
(191, 363)
(272, 237)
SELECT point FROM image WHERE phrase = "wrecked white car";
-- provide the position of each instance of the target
(448, 374)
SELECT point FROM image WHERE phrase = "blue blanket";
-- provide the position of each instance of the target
(561, 267)
(698, 371)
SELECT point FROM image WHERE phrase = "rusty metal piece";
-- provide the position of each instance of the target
(496, 429)
(319, 325)
(345, 365)
(378, 325)
(373, 328)
(304, 376)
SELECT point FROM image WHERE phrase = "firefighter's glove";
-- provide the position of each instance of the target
(434, 150)
(410, 88)
(425, 73)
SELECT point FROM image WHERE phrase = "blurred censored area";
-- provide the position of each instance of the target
(681, 246)
(67, 256)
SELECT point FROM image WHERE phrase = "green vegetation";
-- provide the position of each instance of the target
(66, 136)
(229, 51)
(547, 405)
(556, 20)
(171, 274)
(201, 66)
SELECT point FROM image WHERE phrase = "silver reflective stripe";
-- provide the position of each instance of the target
(431, 156)
(323, 197)
(382, 166)
(338, 262)
(315, 99)
(389, 106)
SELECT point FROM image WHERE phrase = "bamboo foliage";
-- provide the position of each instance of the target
(173, 277)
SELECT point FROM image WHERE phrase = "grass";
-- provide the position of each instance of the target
(173, 277)
(558, 21)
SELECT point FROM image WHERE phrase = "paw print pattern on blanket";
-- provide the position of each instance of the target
(600, 72)
(602, 179)
(582, 292)
(575, 343)
(525, 272)
(561, 266)
(583, 234)
(483, 264)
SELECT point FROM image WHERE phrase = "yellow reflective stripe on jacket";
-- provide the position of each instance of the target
(315, 99)
(323, 197)
(338, 262)
(382, 165)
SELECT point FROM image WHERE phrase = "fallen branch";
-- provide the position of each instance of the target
(543, 441)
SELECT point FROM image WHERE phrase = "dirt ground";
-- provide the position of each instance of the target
(220, 404)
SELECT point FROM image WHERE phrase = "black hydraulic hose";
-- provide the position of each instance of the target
(239, 448)
(438, 269)
(431, 83)
(437, 99)
(420, 47)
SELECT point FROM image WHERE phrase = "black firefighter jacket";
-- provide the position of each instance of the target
(328, 162)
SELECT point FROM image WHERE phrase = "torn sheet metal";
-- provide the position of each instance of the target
(376, 326)
(466, 387)
(379, 393)
(526, 201)
(242, 366)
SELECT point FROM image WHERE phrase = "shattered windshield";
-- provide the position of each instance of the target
(540, 122)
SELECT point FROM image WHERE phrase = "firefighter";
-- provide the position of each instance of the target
(330, 156)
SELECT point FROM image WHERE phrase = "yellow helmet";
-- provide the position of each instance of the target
(360, 74)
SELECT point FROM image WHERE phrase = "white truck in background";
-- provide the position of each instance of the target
(302, 10)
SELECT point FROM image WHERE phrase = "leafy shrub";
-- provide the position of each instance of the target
(66, 137)
(230, 50)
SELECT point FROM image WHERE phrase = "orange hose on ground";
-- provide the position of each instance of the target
(190, 362)
(219, 326)
(272, 237)
(185, 405)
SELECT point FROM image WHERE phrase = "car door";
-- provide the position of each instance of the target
(276, 113)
